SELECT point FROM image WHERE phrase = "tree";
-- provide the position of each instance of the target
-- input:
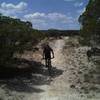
(90, 21)
(15, 37)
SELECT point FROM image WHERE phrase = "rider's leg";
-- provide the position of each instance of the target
(49, 62)
(46, 62)
(49, 66)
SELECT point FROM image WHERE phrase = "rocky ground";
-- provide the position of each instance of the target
(73, 76)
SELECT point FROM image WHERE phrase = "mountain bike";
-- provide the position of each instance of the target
(48, 65)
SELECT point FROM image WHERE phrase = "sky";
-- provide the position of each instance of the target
(46, 14)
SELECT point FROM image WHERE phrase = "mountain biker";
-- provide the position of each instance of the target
(47, 51)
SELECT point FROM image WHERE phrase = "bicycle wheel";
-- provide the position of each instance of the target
(49, 66)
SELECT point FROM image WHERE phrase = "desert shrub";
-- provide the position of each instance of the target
(15, 37)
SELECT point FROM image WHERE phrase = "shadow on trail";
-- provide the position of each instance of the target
(26, 76)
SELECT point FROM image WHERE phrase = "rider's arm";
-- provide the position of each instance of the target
(52, 53)
(43, 54)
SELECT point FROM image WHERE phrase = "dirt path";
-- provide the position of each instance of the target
(63, 83)
(59, 88)
(70, 61)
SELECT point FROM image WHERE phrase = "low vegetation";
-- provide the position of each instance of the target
(15, 37)
(90, 21)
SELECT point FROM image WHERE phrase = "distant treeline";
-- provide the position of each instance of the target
(57, 33)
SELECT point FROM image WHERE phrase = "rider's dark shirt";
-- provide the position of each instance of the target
(47, 52)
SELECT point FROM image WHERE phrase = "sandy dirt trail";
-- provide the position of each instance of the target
(59, 88)
(43, 87)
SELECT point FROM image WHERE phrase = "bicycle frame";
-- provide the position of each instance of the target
(48, 65)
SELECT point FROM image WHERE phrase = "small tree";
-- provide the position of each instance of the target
(90, 21)
(15, 37)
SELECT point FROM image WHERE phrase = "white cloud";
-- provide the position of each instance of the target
(55, 17)
(50, 20)
(69, 0)
(36, 15)
(20, 6)
(73, 0)
(78, 4)
(10, 9)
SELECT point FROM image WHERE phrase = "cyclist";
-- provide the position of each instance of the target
(47, 51)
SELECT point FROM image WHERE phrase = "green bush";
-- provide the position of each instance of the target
(15, 37)
(90, 21)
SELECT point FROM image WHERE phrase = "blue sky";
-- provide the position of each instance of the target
(46, 14)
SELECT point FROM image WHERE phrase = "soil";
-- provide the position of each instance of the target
(73, 76)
